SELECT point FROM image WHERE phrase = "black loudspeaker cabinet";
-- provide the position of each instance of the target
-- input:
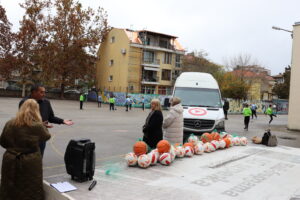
(80, 159)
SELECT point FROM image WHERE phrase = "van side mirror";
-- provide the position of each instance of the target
(167, 102)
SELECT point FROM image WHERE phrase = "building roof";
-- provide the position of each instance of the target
(278, 76)
(250, 74)
(157, 33)
(133, 36)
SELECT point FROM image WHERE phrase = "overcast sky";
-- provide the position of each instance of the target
(222, 28)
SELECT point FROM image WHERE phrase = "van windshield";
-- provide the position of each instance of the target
(198, 97)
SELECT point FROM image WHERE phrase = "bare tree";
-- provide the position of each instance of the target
(196, 62)
(239, 61)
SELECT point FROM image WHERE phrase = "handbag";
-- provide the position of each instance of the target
(272, 142)
(265, 138)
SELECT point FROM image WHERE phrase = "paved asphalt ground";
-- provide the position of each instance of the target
(114, 132)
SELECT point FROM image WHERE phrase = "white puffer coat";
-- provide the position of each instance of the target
(173, 125)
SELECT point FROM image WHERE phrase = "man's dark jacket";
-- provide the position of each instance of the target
(45, 110)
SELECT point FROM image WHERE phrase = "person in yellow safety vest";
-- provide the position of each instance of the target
(112, 101)
(81, 99)
(270, 113)
(247, 113)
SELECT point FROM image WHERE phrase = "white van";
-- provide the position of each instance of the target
(201, 99)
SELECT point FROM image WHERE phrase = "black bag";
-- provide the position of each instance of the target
(265, 138)
(80, 159)
(269, 139)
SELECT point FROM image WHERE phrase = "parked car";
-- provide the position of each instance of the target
(73, 91)
(54, 90)
(13, 87)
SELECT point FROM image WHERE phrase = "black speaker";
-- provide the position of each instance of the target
(80, 159)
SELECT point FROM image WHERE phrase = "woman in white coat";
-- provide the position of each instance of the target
(173, 123)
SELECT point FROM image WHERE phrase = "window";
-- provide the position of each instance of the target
(163, 90)
(112, 39)
(163, 43)
(166, 75)
(111, 62)
(148, 90)
(110, 78)
(199, 96)
(2, 84)
(168, 58)
(146, 40)
(178, 61)
(148, 56)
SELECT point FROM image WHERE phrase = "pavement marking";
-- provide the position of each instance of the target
(54, 147)
(120, 131)
(54, 166)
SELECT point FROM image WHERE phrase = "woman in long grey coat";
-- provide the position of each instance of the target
(173, 123)
(22, 175)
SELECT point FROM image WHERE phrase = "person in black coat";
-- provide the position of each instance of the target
(226, 108)
(153, 127)
(47, 114)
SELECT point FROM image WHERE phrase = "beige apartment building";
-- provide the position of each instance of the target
(138, 62)
(294, 100)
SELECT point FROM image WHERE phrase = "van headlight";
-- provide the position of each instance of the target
(221, 124)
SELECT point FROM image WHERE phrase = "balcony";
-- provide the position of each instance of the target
(151, 62)
(169, 49)
(150, 80)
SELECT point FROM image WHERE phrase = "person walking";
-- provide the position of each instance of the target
(270, 113)
(153, 125)
(127, 102)
(81, 100)
(173, 123)
(226, 108)
(22, 173)
(143, 103)
(99, 99)
(38, 93)
(112, 102)
(247, 113)
(253, 110)
(130, 102)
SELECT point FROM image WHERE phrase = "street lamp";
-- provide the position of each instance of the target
(281, 29)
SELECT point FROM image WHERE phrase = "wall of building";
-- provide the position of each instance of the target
(134, 69)
(112, 51)
(294, 101)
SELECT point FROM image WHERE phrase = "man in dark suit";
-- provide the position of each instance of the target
(47, 114)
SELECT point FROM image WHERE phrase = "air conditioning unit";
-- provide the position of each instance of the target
(123, 51)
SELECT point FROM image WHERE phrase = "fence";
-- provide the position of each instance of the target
(235, 106)
(121, 98)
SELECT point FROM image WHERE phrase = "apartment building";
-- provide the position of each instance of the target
(138, 62)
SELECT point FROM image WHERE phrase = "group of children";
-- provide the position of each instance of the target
(247, 112)
(128, 102)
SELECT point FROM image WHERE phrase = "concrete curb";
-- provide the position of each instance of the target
(52, 194)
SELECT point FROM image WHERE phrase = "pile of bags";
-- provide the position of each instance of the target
(165, 153)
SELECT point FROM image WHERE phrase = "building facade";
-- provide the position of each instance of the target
(138, 62)
(260, 82)
(294, 100)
